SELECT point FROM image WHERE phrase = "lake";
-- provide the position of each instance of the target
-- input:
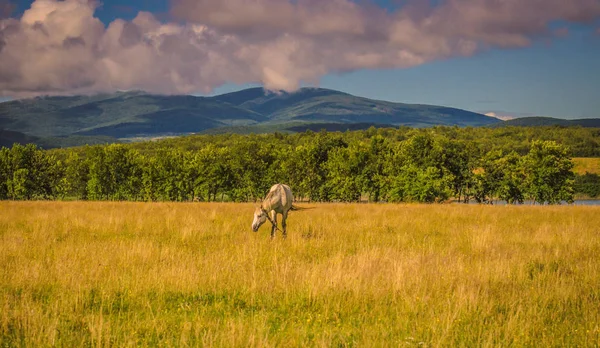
(577, 202)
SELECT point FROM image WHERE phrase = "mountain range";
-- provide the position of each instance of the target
(74, 120)
(550, 121)
(138, 114)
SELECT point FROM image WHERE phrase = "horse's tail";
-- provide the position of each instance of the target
(296, 208)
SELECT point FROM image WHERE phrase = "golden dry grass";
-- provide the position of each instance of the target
(130, 274)
(586, 165)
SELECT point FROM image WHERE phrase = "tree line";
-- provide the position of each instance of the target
(378, 165)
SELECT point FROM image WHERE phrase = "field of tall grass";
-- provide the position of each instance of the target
(175, 274)
(586, 165)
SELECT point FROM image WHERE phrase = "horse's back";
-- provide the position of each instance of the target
(281, 197)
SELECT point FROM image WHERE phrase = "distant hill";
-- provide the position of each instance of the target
(336, 127)
(120, 115)
(124, 115)
(320, 105)
(8, 138)
(549, 121)
(294, 127)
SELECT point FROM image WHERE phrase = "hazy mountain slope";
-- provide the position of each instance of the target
(549, 121)
(327, 106)
(240, 97)
(135, 114)
(8, 138)
(269, 103)
(293, 127)
(58, 116)
(120, 114)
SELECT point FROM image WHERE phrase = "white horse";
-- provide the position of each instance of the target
(278, 200)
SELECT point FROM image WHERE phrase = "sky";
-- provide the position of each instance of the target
(509, 58)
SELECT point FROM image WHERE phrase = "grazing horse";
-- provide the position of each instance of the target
(278, 200)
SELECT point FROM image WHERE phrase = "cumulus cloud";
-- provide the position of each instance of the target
(59, 47)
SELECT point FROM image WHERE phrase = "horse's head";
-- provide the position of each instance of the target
(260, 216)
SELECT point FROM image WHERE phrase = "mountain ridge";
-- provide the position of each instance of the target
(541, 121)
(135, 113)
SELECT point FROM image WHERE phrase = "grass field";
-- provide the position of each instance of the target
(131, 274)
(589, 165)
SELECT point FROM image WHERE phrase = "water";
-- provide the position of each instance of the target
(594, 202)
(588, 202)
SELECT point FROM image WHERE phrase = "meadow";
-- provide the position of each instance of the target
(194, 274)
(586, 165)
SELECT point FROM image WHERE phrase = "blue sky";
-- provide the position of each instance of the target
(560, 80)
(558, 77)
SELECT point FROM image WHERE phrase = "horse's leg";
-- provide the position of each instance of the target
(274, 227)
(284, 223)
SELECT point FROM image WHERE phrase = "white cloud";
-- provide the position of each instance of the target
(59, 47)
(502, 117)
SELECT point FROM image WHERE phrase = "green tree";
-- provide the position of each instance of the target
(549, 176)
(6, 172)
(99, 179)
(216, 175)
(417, 172)
(373, 172)
(311, 161)
(20, 185)
(150, 179)
(459, 160)
(76, 176)
(587, 184)
(30, 172)
(252, 163)
(344, 169)
(425, 185)
(510, 178)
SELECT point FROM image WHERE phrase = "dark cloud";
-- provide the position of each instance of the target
(6, 9)
(73, 42)
(130, 35)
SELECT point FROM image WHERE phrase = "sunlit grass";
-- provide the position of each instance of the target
(129, 274)
(586, 165)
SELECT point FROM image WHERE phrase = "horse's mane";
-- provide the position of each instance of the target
(269, 196)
